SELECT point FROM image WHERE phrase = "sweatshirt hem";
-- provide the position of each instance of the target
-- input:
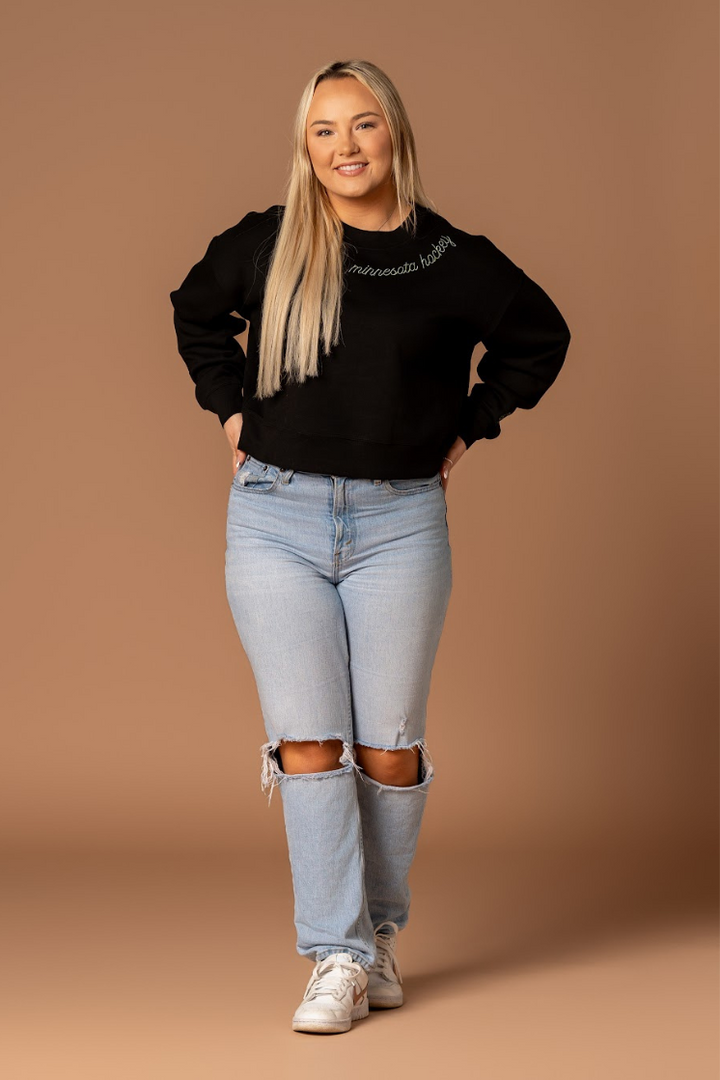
(353, 458)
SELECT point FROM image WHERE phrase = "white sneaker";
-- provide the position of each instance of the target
(384, 989)
(335, 995)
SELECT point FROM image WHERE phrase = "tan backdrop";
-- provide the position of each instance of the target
(574, 699)
(575, 690)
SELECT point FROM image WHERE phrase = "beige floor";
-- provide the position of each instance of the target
(525, 965)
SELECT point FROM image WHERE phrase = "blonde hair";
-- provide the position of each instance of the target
(304, 287)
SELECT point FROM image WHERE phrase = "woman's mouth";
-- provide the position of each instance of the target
(351, 170)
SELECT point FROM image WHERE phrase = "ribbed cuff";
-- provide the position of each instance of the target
(476, 425)
(225, 402)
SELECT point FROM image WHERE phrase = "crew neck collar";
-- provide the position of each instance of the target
(392, 238)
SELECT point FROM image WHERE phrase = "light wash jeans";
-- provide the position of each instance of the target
(338, 588)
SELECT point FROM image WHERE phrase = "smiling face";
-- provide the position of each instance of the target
(345, 125)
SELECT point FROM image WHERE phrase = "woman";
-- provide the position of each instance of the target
(345, 419)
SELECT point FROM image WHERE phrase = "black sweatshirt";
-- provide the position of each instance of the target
(392, 396)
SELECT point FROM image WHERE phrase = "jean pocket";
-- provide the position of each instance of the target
(413, 486)
(257, 476)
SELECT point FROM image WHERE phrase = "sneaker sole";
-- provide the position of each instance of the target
(332, 1027)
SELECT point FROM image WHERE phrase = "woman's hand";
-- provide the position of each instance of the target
(232, 428)
(450, 460)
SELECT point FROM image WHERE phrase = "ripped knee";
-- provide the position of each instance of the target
(396, 766)
(309, 755)
(285, 758)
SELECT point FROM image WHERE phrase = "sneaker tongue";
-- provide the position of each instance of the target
(342, 957)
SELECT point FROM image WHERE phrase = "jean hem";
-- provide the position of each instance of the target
(324, 953)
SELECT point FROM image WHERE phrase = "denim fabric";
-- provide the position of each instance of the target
(338, 588)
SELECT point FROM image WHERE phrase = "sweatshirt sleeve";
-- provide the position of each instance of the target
(525, 350)
(205, 330)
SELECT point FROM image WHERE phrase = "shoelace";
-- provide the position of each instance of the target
(386, 962)
(330, 977)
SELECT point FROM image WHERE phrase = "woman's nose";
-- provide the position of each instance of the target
(348, 146)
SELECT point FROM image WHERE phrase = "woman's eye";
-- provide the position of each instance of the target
(365, 123)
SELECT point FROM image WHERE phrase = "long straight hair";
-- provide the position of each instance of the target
(303, 292)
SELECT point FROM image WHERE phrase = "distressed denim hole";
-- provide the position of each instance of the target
(272, 774)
